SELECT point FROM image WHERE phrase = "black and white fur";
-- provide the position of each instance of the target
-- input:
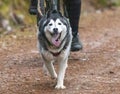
(51, 25)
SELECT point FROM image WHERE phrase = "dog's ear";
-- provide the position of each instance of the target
(48, 14)
(60, 14)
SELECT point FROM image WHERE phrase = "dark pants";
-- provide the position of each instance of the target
(74, 10)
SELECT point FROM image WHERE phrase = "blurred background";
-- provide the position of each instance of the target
(93, 70)
(14, 13)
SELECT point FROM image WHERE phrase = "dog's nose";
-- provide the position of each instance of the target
(55, 30)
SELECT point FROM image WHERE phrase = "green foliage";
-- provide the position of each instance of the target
(19, 7)
(117, 3)
(102, 2)
(105, 3)
(22, 6)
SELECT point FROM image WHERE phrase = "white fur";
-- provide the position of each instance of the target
(55, 24)
(62, 59)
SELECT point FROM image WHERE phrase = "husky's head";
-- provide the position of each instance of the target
(55, 28)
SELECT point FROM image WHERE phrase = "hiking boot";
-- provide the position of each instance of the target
(33, 7)
(76, 43)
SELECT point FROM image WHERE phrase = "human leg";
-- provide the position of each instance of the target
(74, 10)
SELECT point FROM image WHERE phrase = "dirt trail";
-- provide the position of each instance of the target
(94, 70)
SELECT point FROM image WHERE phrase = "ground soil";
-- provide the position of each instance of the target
(93, 70)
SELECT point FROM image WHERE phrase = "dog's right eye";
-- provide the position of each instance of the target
(50, 24)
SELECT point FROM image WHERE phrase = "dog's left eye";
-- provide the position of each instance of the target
(59, 23)
(50, 24)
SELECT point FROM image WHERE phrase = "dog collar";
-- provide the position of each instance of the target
(55, 54)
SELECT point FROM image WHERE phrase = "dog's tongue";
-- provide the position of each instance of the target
(55, 40)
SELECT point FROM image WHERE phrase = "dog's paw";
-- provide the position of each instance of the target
(54, 77)
(60, 87)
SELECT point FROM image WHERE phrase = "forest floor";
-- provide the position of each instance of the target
(93, 70)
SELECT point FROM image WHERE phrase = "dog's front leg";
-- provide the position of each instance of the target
(48, 63)
(51, 70)
(62, 69)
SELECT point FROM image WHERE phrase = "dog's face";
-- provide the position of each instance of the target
(55, 29)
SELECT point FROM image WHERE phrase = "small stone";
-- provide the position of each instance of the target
(111, 72)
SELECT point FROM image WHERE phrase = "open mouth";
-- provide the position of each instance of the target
(56, 39)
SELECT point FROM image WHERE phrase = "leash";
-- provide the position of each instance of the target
(52, 6)
(40, 5)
